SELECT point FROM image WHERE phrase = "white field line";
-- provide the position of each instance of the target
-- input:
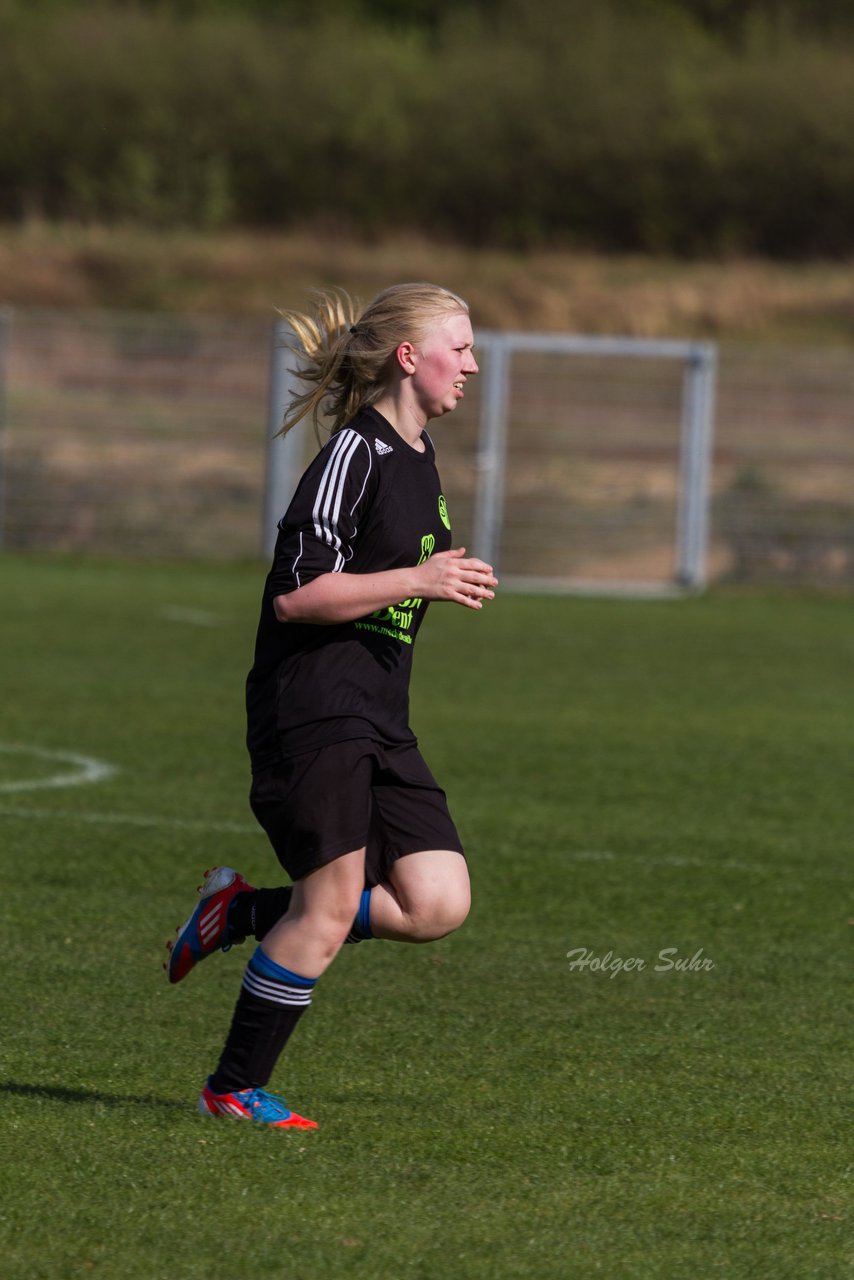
(603, 855)
(130, 820)
(699, 864)
(248, 829)
(84, 769)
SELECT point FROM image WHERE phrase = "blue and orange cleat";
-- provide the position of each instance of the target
(252, 1104)
(206, 930)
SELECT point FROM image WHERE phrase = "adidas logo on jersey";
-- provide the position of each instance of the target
(382, 447)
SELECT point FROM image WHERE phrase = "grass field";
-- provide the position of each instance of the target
(630, 778)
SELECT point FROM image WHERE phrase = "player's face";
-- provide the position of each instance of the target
(443, 362)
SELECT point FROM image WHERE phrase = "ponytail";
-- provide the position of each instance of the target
(347, 353)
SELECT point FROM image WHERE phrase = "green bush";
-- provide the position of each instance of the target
(624, 126)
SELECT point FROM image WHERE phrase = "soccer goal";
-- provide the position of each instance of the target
(574, 463)
(593, 462)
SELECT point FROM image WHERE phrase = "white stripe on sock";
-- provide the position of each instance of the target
(275, 992)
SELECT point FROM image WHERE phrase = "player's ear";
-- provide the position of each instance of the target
(403, 355)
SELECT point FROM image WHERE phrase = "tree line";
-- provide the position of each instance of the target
(707, 126)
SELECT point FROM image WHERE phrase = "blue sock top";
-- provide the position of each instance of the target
(363, 919)
(267, 968)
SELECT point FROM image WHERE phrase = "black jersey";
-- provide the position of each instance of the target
(367, 502)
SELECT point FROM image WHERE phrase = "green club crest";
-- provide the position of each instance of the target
(443, 512)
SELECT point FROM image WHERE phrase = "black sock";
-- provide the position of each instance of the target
(271, 1002)
(253, 914)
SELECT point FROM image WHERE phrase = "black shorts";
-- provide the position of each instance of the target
(319, 805)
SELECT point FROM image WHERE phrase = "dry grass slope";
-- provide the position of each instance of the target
(243, 273)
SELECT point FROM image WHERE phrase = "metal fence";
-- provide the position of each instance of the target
(134, 434)
(783, 496)
(148, 435)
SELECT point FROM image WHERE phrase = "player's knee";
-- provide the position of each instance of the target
(438, 916)
(331, 921)
(457, 908)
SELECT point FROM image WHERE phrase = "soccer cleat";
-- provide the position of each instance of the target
(252, 1104)
(206, 929)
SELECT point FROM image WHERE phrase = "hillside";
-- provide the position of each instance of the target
(242, 273)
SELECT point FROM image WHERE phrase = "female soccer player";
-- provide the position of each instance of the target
(338, 783)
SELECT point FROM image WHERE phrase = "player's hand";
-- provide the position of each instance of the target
(448, 575)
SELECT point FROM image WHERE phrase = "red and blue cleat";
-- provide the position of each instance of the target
(206, 930)
(253, 1104)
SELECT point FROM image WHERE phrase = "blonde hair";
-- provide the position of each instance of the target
(347, 352)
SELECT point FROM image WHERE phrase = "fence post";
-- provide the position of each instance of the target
(492, 447)
(695, 463)
(5, 327)
(284, 455)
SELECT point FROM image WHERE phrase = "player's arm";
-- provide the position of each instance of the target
(343, 597)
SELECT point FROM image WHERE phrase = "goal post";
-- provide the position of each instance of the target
(692, 528)
(285, 455)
